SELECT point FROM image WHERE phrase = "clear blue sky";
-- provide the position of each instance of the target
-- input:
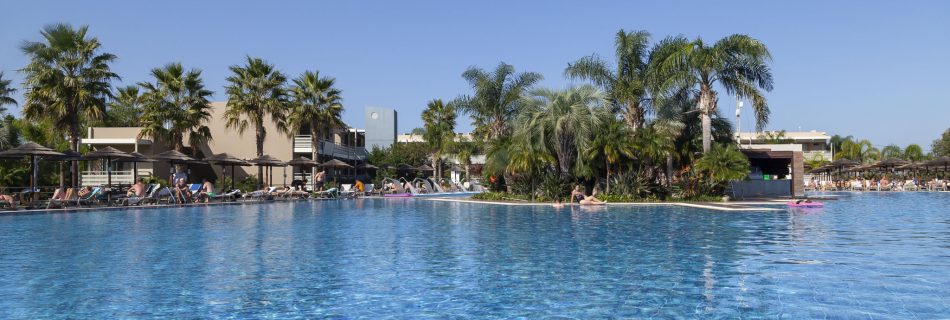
(873, 69)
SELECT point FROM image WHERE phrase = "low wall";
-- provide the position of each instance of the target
(760, 189)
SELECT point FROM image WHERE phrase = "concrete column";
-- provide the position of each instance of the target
(798, 174)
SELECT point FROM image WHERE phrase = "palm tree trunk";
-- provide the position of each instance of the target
(707, 104)
(259, 137)
(74, 146)
(314, 145)
(607, 163)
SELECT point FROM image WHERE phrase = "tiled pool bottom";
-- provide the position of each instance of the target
(865, 256)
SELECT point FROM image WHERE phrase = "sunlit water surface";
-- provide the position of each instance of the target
(865, 256)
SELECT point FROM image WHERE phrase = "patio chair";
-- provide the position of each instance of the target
(328, 193)
(368, 189)
(347, 191)
(260, 194)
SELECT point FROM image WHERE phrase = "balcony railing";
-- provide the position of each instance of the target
(328, 148)
(98, 178)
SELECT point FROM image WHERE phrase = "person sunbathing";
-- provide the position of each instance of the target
(83, 192)
(8, 199)
(182, 192)
(136, 190)
(578, 196)
(206, 191)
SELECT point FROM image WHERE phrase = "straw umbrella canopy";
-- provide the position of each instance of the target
(367, 166)
(108, 153)
(135, 160)
(68, 156)
(268, 162)
(32, 150)
(174, 157)
(890, 163)
(456, 168)
(939, 162)
(302, 162)
(425, 167)
(335, 164)
(405, 167)
(225, 159)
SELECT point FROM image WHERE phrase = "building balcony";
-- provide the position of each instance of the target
(302, 144)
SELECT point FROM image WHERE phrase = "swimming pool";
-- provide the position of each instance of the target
(865, 256)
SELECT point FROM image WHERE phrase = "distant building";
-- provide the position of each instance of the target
(382, 127)
(346, 144)
(814, 144)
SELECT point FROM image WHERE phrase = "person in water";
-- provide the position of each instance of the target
(578, 196)
(800, 201)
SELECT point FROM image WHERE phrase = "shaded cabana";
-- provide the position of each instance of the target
(68, 156)
(32, 150)
(135, 160)
(267, 162)
(225, 159)
(108, 154)
(174, 158)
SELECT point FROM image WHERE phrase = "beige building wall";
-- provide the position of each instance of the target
(276, 144)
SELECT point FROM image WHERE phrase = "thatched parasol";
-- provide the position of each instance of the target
(225, 159)
(334, 163)
(425, 167)
(302, 162)
(108, 153)
(32, 150)
(269, 162)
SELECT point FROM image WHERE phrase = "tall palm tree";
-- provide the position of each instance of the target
(317, 104)
(737, 63)
(913, 152)
(625, 85)
(861, 151)
(563, 121)
(892, 151)
(439, 119)
(176, 105)
(256, 92)
(496, 100)
(611, 144)
(126, 109)
(67, 81)
(6, 94)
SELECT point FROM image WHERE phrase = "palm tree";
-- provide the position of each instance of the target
(913, 152)
(6, 94)
(439, 119)
(465, 148)
(738, 63)
(126, 109)
(563, 121)
(316, 104)
(256, 91)
(861, 151)
(723, 163)
(67, 81)
(496, 99)
(892, 151)
(625, 86)
(176, 105)
(611, 144)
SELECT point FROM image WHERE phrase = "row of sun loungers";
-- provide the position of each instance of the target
(863, 185)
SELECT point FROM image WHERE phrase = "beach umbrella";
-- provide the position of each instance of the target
(225, 159)
(32, 150)
(108, 153)
(939, 162)
(303, 162)
(174, 157)
(135, 160)
(268, 162)
(425, 167)
(367, 166)
(334, 163)
(68, 156)
(405, 167)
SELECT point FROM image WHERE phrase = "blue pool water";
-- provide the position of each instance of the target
(867, 256)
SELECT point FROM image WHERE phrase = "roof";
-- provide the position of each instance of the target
(794, 135)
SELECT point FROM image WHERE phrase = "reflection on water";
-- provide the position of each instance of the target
(868, 255)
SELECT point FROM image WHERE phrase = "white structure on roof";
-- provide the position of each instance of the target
(814, 144)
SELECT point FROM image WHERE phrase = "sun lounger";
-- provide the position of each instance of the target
(346, 191)
(368, 189)
(151, 194)
(260, 194)
(328, 193)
